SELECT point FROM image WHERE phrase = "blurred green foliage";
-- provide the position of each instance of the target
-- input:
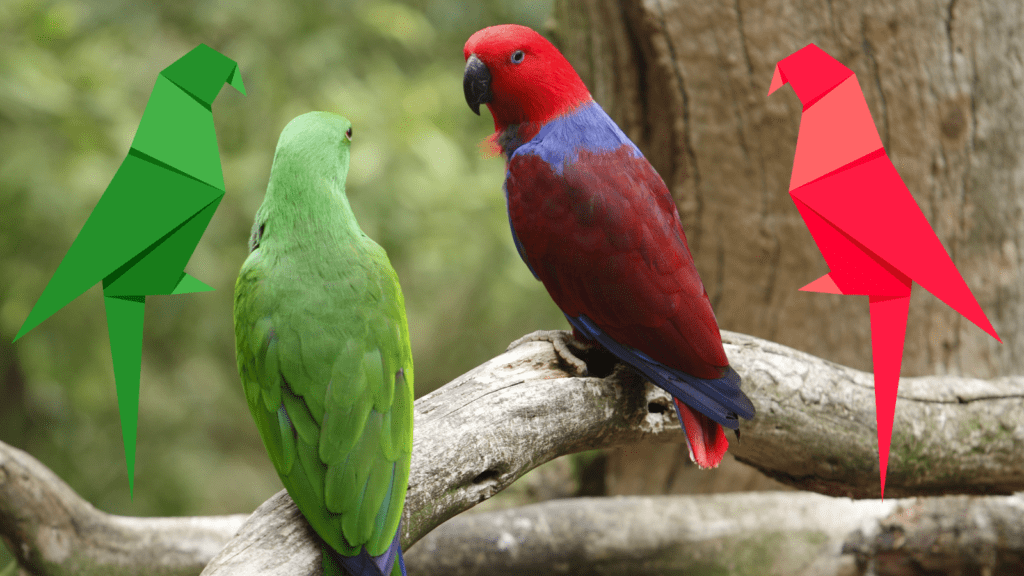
(74, 80)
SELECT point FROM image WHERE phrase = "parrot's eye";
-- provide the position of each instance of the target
(517, 57)
(348, 134)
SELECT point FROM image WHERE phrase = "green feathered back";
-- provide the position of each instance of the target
(323, 346)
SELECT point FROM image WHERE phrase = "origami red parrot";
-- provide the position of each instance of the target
(868, 227)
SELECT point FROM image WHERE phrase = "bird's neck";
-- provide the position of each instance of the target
(308, 207)
(513, 136)
(315, 214)
(509, 137)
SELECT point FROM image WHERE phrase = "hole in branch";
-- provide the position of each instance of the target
(485, 476)
(656, 408)
(600, 362)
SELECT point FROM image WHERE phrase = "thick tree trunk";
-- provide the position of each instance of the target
(687, 80)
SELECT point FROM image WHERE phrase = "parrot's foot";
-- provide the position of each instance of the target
(566, 346)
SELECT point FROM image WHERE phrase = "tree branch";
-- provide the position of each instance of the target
(814, 429)
(745, 533)
(478, 434)
(53, 531)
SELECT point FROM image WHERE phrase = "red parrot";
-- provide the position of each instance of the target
(595, 223)
(868, 227)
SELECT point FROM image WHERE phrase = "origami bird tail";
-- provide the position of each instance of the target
(124, 322)
(888, 331)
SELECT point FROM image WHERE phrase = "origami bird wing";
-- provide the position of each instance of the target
(869, 203)
(122, 230)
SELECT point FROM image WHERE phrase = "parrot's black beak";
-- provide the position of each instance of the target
(476, 83)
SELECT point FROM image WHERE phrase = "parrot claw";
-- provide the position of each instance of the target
(564, 342)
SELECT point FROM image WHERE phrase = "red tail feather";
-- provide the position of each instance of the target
(705, 437)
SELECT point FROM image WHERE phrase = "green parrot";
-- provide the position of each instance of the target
(323, 352)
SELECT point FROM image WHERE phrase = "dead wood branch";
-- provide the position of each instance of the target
(478, 434)
(814, 429)
(745, 533)
(53, 531)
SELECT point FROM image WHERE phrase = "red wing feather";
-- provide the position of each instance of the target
(605, 238)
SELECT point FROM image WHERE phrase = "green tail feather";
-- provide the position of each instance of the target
(124, 322)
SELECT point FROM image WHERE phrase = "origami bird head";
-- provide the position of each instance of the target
(811, 72)
(201, 73)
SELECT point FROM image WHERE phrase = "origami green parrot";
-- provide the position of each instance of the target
(149, 220)
(323, 352)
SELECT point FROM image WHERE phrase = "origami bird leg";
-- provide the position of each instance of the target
(124, 323)
(888, 331)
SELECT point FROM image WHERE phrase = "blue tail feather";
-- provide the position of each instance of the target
(363, 564)
(720, 399)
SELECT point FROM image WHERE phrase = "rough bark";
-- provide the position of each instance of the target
(954, 535)
(739, 534)
(780, 533)
(487, 428)
(687, 80)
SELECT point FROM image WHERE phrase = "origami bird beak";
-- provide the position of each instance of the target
(476, 83)
(778, 79)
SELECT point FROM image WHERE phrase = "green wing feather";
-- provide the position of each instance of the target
(327, 369)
